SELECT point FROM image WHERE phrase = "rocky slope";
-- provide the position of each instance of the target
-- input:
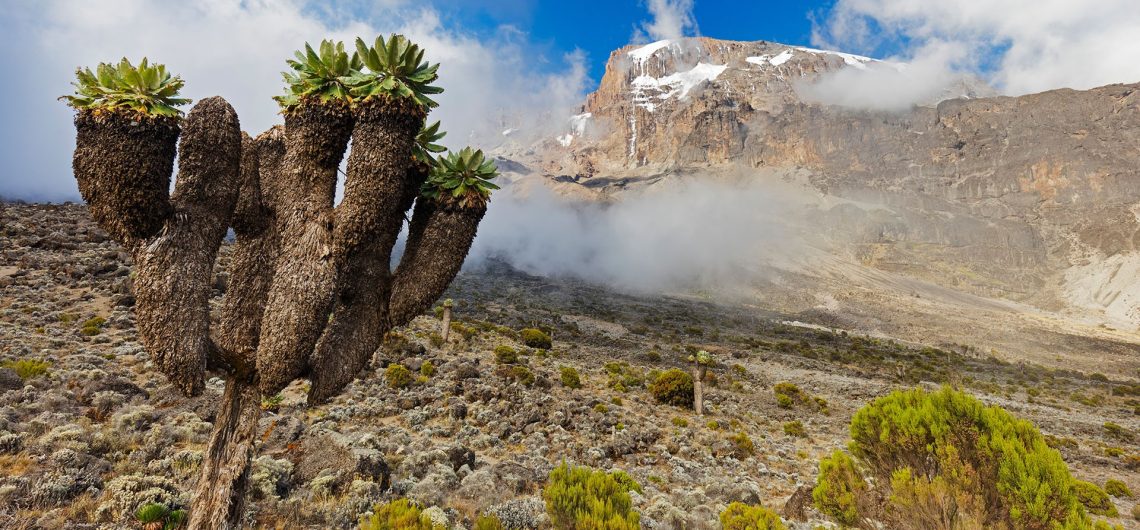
(100, 431)
(1030, 198)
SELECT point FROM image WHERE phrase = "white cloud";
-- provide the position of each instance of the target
(678, 234)
(1021, 46)
(237, 49)
(672, 19)
(891, 86)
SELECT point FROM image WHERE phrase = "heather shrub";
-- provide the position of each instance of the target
(27, 368)
(535, 338)
(944, 460)
(584, 498)
(1095, 499)
(399, 514)
(570, 378)
(1117, 489)
(795, 428)
(742, 446)
(506, 355)
(740, 516)
(673, 387)
(398, 376)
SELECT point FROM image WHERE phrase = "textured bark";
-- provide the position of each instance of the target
(378, 191)
(219, 496)
(301, 295)
(122, 165)
(439, 238)
(255, 251)
(173, 271)
(445, 324)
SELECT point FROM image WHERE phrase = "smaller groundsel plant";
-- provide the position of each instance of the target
(462, 178)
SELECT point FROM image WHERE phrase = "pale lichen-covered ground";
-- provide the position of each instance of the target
(101, 430)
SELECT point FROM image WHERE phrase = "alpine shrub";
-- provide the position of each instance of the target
(535, 338)
(740, 516)
(944, 460)
(585, 498)
(673, 387)
(399, 514)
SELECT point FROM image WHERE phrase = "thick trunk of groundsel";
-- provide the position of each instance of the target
(699, 389)
(223, 481)
(377, 192)
(254, 253)
(439, 238)
(173, 271)
(300, 298)
(122, 165)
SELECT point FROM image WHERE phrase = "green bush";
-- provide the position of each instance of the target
(839, 488)
(673, 387)
(570, 378)
(523, 375)
(27, 368)
(1136, 512)
(535, 338)
(398, 376)
(920, 448)
(795, 428)
(506, 355)
(427, 369)
(584, 498)
(742, 446)
(400, 514)
(740, 516)
(1117, 489)
(488, 522)
(1095, 499)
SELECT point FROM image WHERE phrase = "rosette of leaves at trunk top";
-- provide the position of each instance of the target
(396, 70)
(462, 178)
(145, 91)
(319, 76)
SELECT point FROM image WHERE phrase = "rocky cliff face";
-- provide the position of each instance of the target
(1033, 198)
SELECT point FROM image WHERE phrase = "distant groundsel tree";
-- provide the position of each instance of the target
(311, 292)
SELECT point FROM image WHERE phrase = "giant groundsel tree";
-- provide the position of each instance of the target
(311, 292)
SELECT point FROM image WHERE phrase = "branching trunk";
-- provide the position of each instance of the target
(377, 192)
(316, 137)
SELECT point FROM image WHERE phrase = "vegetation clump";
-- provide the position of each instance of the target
(795, 428)
(398, 376)
(1117, 489)
(506, 355)
(27, 368)
(1095, 499)
(742, 446)
(673, 387)
(581, 497)
(740, 516)
(570, 377)
(535, 338)
(400, 514)
(944, 460)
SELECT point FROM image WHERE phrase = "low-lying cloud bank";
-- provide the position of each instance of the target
(681, 235)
